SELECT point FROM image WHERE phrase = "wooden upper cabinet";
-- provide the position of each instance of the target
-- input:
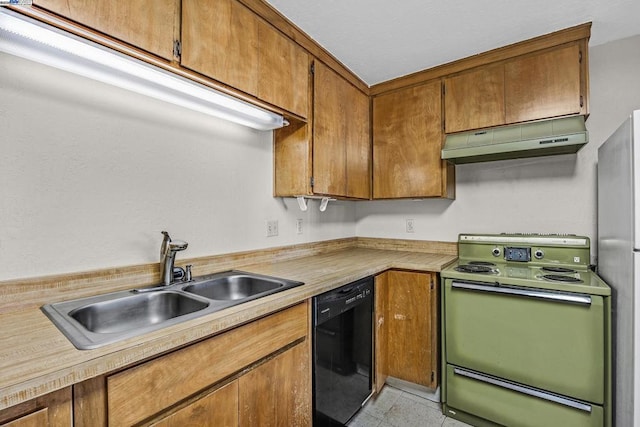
(544, 85)
(329, 132)
(358, 141)
(220, 40)
(341, 153)
(226, 41)
(532, 86)
(283, 71)
(407, 140)
(147, 24)
(475, 99)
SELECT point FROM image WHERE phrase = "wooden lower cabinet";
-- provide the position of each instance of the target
(51, 410)
(218, 408)
(255, 374)
(406, 332)
(277, 392)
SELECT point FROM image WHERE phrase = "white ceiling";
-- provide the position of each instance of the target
(383, 39)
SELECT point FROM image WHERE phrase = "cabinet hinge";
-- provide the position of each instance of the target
(432, 284)
(433, 376)
(580, 57)
(311, 182)
(177, 48)
(581, 101)
(312, 68)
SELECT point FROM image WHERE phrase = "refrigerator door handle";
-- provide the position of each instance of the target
(524, 390)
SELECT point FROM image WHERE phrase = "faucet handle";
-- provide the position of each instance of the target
(178, 245)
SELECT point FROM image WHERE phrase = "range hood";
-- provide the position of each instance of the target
(544, 138)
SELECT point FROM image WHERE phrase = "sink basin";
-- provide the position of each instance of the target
(105, 319)
(235, 287)
(135, 311)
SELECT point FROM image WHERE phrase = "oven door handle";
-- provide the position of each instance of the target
(524, 390)
(530, 293)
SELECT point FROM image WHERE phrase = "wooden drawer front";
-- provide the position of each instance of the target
(50, 410)
(37, 419)
(513, 406)
(145, 390)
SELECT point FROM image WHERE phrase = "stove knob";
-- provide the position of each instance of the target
(496, 251)
(538, 254)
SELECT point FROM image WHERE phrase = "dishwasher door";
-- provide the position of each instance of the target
(342, 343)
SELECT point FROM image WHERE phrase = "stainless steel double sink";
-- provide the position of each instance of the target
(104, 319)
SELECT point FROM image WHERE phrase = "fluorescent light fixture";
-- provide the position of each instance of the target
(35, 41)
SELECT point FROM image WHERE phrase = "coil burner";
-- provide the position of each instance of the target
(558, 270)
(561, 278)
(474, 268)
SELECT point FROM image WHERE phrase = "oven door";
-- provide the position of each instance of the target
(548, 340)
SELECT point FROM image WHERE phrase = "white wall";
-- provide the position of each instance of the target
(541, 195)
(90, 175)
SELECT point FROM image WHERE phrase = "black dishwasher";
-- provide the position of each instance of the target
(342, 347)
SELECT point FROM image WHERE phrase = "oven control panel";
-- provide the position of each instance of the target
(517, 254)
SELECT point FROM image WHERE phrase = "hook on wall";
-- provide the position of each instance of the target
(303, 204)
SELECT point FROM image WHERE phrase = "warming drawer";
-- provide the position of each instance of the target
(512, 404)
(548, 340)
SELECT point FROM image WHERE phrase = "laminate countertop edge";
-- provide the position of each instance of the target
(36, 359)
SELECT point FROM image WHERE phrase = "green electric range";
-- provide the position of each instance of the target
(526, 333)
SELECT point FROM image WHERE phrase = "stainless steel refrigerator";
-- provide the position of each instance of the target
(619, 260)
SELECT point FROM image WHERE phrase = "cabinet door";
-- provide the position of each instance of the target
(407, 140)
(475, 99)
(217, 409)
(410, 335)
(329, 132)
(543, 85)
(278, 392)
(358, 144)
(147, 24)
(220, 40)
(283, 71)
(50, 410)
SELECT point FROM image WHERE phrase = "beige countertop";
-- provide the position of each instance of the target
(36, 358)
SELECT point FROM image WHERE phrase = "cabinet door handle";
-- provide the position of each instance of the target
(524, 390)
(530, 293)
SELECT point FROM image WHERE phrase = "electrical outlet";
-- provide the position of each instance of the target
(272, 227)
(410, 228)
(299, 226)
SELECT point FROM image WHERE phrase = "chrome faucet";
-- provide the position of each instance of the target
(168, 252)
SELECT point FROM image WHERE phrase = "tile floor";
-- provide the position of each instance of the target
(397, 408)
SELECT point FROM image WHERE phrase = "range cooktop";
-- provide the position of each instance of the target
(554, 261)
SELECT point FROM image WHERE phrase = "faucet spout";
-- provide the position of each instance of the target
(168, 251)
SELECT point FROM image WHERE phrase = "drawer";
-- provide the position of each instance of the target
(511, 404)
(548, 340)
